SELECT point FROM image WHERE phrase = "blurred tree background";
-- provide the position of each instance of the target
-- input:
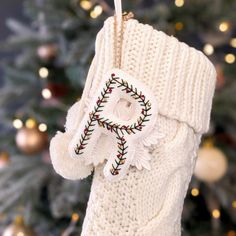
(46, 75)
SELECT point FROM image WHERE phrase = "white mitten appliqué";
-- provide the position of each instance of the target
(64, 165)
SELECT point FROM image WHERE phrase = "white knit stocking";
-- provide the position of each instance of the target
(147, 203)
(144, 202)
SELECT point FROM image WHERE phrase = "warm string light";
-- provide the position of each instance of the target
(233, 42)
(46, 93)
(208, 49)
(230, 58)
(86, 4)
(179, 3)
(30, 123)
(42, 127)
(43, 72)
(75, 217)
(195, 192)
(224, 26)
(234, 204)
(179, 26)
(215, 214)
(17, 123)
(97, 11)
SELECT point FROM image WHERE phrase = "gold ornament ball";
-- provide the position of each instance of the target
(47, 51)
(18, 228)
(4, 159)
(211, 164)
(31, 140)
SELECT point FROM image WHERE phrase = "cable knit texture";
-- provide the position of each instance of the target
(149, 203)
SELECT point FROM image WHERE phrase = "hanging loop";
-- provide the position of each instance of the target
(118, 9)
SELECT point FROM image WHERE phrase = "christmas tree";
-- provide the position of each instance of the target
(47, 75)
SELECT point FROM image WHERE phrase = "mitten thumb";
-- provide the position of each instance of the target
(63, 164)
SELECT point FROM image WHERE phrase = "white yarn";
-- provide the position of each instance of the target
(150, 202)
(118, 9)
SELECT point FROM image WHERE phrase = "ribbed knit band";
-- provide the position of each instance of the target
(181, 77)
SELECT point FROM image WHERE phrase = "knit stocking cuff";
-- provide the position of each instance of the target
(181, 77)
